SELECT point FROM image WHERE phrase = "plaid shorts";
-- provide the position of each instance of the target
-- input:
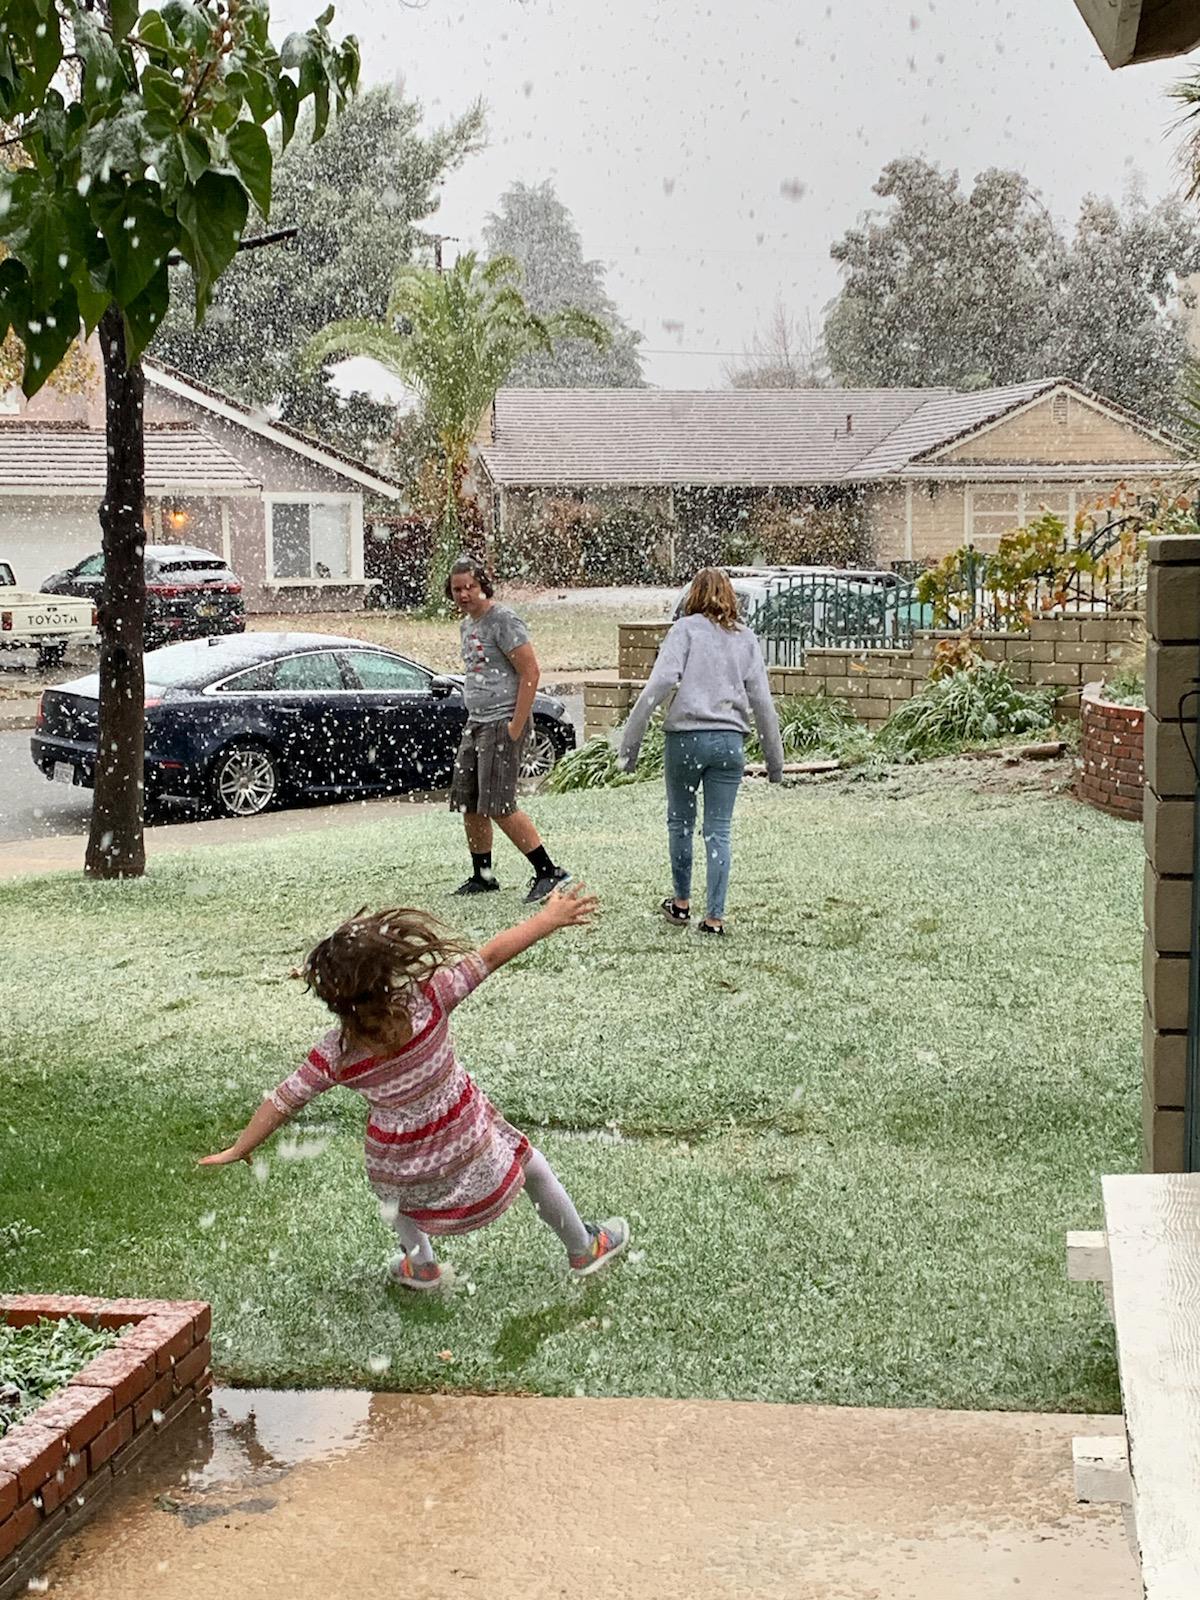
(486, 770)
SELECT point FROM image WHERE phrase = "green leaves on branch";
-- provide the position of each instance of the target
(162, 148)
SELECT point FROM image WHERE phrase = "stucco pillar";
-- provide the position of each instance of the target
(1172, 666)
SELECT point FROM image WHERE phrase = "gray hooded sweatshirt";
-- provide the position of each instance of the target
(720, 682)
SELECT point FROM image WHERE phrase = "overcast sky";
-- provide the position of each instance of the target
(709, 153)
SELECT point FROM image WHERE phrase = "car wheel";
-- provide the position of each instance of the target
(542, 753)
(244, 780)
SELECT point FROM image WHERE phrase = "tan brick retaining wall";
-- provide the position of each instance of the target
(1172, 662)
(1064, 652)
(57, 1465)
(1110, 753)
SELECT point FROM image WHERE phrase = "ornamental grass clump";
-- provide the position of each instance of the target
(815, 725)
(961, 709)
(809, 725)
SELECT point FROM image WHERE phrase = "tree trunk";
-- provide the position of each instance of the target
(447, 541)
(116, 848)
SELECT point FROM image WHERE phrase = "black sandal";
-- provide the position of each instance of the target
(674, 913)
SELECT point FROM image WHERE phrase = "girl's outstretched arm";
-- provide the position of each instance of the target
(565, 908)
(261, 1126)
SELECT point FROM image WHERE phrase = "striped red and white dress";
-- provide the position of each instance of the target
(436, 1146)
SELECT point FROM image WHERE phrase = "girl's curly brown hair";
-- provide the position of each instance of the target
(366, 969)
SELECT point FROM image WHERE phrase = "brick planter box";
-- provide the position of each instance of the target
(1110, 753)
(56, 1465)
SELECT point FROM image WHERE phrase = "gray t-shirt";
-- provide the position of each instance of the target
(491, 685)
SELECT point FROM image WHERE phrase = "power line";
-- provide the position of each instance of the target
(648, 350)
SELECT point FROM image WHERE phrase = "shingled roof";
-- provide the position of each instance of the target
(65, 459)
(734, 438)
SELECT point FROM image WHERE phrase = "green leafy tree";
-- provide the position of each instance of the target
(357, 197)
(146, 138)
(454, 338)
(534, 227)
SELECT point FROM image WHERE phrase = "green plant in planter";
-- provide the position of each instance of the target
(964, 708)
(38, 1360)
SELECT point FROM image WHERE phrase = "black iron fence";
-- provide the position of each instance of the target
(800, 613)
(1101, 571)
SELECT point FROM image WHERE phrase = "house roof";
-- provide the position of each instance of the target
(746, 438)
(944, 418)
(690, 437)
(280, 433)
(59, 458)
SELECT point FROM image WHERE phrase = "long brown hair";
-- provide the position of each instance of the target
(365, 970)
(711, 595)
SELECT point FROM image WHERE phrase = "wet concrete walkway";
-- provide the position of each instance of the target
(393, 1497)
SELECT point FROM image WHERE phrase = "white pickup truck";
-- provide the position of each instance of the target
(46, 623)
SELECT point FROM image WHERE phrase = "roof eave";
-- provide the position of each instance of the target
(231, 410)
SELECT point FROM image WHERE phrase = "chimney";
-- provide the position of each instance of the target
(849, 422)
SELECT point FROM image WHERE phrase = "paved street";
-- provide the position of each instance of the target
(34, 810)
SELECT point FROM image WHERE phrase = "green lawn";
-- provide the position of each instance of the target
(849, 1139)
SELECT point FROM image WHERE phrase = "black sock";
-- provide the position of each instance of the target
(540, 862)
(482, 865)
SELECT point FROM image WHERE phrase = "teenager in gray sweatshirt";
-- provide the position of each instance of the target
(715, 667)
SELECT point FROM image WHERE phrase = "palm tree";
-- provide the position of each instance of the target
(453, 337)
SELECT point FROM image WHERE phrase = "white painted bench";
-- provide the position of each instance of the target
(1148, 1261)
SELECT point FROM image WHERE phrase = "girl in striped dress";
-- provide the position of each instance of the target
(440, 1157)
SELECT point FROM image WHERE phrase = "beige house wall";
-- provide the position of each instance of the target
(941, 515)
(1054, 432)
(236, 527)
(938, 521)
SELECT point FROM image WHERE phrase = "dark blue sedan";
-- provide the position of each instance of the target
(260, 719)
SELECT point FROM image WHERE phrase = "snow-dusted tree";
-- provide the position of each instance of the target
(534, 227)
(783, 356)
(357, 198)
(981, 288)
(946, 287)
(1120, 329)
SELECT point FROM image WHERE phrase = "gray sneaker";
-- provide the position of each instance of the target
(541, 888)
(608, 1240)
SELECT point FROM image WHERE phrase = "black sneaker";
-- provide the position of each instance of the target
(540, 888)
(478, 886)
(716, 931)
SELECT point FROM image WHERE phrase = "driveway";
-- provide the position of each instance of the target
(336, 1493)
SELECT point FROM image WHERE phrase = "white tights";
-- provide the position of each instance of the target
(550, 1200)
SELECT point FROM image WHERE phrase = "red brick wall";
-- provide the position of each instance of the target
(57, 1464)
(1110, 753)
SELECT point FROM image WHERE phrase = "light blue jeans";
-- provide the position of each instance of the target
(715, 760)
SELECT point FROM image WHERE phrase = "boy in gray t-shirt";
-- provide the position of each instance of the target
(499, 685)
(492, 682)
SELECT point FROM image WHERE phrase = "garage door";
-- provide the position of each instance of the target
(44, 536)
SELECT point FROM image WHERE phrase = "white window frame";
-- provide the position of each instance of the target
(355, 504)
(1029, 496)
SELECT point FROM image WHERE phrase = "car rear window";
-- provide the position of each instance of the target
(256, 679)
